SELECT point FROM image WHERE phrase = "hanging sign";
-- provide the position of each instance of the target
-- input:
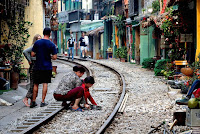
(186, 38)
(63, 17)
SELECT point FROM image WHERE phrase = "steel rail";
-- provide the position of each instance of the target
(36, 122)
(47, 114)
(112, 115)
(119, 103)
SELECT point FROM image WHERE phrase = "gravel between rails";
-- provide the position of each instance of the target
(105, 92)
(148, 104)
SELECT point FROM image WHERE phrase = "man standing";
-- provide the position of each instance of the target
(82, 46)
(70, 46)
(44, 50)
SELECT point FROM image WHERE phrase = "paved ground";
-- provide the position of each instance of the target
(11, 114)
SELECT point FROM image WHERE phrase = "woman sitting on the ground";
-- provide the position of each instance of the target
(184, 101)
(67, 91)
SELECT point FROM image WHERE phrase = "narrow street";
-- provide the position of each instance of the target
(153, 44)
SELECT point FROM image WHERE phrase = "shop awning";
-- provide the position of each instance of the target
(91, 25)
(95, 31)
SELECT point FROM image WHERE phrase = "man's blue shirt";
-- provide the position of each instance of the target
(44, 49)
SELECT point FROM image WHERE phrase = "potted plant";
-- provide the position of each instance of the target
(121, 53)
(22, 76)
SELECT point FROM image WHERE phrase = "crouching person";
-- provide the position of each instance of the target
(69, 88)
(87, 83)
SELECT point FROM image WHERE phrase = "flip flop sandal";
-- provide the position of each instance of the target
(78, 109)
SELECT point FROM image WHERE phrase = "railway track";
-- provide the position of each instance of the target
(55, 108)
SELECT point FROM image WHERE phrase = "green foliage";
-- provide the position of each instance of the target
(23, 75)
(143, 10)
(121, 52)
(169, 23)
(147, 62)
(17, 37)
(121, 25)
(160, 65)
(117, 52)
(53, 74)
(156, 6)
(2, 91)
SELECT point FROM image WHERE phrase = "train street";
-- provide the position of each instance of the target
(149, 103)
(100, 66)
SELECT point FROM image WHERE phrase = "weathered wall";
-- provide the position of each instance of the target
(35, 14)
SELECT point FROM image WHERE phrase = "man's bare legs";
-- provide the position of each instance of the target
(44, 91)
(35, 91)
(85, 52)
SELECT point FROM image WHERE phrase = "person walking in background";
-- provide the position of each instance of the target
(67, 91)
(82, 46)
(31, 61)
(70, 46)
(44, 50)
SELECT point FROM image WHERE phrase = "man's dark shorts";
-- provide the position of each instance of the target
(42, 76)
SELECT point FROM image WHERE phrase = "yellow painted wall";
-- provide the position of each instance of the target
(116, 37)
(198, 28)
(34, 13)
